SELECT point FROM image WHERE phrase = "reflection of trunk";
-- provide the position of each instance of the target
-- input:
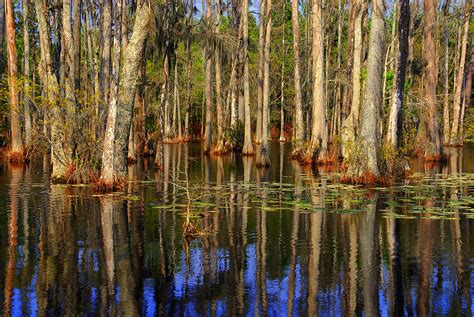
(12, 62)
(293, 261)
(426, 253)
(16, 176)
(313, 265)
(368, 255)
(393, 237)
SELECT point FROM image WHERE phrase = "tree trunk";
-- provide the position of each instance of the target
(351, 124)
(60, 157)
(208, 82)
(456, 139)
(132, 61)
(188, 69)
(446, 121)
(16, 152)
(432, 150)
(261, 62)
(263, 159)
(2, 31)
(248, 147)
(298, 134)
(317, 150)
(395, 122)
(177, 104)
(467, 91)
(106, 49)
(77, 44)
(282, 89)
(220, 148)
(108, 175)
(368, 141)
(27, 74)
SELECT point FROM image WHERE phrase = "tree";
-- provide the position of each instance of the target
(263, 158)
(432, 148)
(2, 30)
(318, 148)
(16, 152)
(368, 140)
(208, 81)
(455, 137)
(261, 67)
(395, 122)
(298, 135)
(26, 73)
(248, 147)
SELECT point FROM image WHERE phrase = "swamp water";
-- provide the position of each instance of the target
(286, 241)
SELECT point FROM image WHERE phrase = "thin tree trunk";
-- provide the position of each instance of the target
(2, 31)
(395, 122)
(124, 27)
(106, 49)
(261, 62)
(208, 82)
(77, 43)
(248, 147)
(220, 148)
(368, 141)
(107, 175)
(16, 152)
(27, 74)
(188, 70)
(177, 104)
(351, 124)
(298, 134)
(317, 151)
(338, 99)
(432, 150)
(467, 91)
(132, 61)
(263, 159)
(455, 135)
(446, 121)
(282, 98)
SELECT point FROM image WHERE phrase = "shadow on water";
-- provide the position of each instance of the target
(282, 241)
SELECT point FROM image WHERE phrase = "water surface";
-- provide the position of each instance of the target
(284, 241)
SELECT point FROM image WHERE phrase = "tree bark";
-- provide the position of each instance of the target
(26, 73)
(317, 150)
(351, 124)
(261, 62)
(208, 82)
(368, 141)
(282, 89)
(248, 147)
(263, 159)
(16, 152)
(106, 49)
(455, 137)
(77, 43)
(446, 121)
(467, 91)
(132, 61)
(432, 150)
(2, 31)
(108, 175)
(220, 148)
(395, 122)
(298, 134)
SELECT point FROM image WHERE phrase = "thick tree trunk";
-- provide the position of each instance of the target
(16, 151)
(351, 124)
(248, 147)
(432, 149)
(60, 156)
(261, 62)
(132, 61)
(368, 140)
(208, 82)
(298, 133)
(456, 139)
(263, 158)
(395, 122)
(107, 175)
(27, 74)
(317, 150)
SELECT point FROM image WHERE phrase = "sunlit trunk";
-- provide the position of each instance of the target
(248, 146)
(298, 133)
